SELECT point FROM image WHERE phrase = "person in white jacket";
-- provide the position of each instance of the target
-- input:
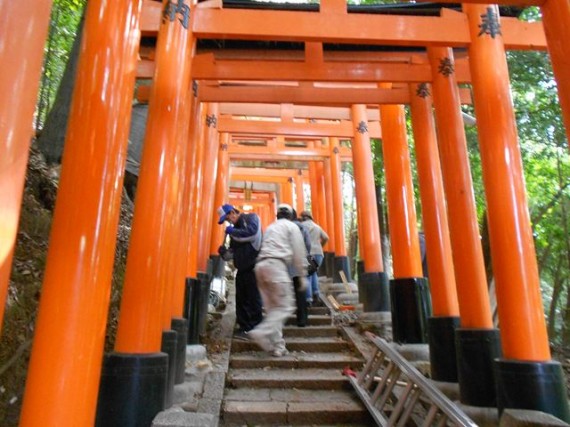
(282, 252)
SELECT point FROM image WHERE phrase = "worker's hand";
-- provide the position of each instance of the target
(222, 250)
(229, 229)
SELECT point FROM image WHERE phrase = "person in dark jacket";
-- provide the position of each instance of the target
(245, 241)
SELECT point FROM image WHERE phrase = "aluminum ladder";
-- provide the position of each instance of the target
(397, 394)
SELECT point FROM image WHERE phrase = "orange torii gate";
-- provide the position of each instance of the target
(260, 202)
(63, 379)
(285, 177)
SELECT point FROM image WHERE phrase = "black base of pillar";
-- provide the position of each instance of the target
(216, 266)
(411, 307)
(194, 290)
(442, 354)
(204, 280)
(329, 261)
(132, 390)
(341, 264)
(476, 351)
(169, 345)
(375, 291)
(538, 386)
(181, 327)
(188, 289)
(359, 272)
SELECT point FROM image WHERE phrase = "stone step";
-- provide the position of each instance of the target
(310, 331)
(306, 344)
(279, 407)
(296, 360)
(312, 379)
(314, 320)
(319, 311)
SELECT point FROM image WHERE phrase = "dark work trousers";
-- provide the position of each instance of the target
(248, 300)
(301, 299)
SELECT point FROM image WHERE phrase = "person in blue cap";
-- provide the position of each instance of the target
(245, 241)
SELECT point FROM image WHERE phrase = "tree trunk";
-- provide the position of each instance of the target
(45, 88)
(352, 251)
(384, 233)
(558, 284)
(563, 211)
(486, 246)
(566, 323)
(52, 137)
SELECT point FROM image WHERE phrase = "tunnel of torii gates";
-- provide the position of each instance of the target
(325, 74)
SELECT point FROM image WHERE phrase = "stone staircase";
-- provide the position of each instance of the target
(305, 387)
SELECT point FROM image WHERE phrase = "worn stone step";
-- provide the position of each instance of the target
(306, 344)
(296, 360)
(272, 407)
(314, 320)
(319, 311)
(313, 379)
(310, 331)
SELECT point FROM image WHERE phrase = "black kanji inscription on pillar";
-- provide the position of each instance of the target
(211, 121)
(195, 88)
(423, 90)
(362, 127)
(171, 9)
(336, 150)
(490, 23)
(446, 67)
(224, 147)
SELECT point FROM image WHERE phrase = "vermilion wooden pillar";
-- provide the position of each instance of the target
(272, 206)
(187, 191)
(263, 212)
(220, 198)
(65, 366)
(173, 313)
(341, 262)
(323, 213)
(321, 193)
(477, 341)
(441, 327)
(330, 255)
(526, 364)
(299, 192)
(209, 174)
(188, 254)
(329, 204)
(409, 293)
(314, 188)
(399, 192)
(556, 24)
(196, 205)
(181, 240)
(373, 282)
(286, 190)
(25, 25)
(145, 319)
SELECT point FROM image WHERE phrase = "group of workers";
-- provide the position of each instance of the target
(271, 280)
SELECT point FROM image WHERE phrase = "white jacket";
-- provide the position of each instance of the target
(283, 240)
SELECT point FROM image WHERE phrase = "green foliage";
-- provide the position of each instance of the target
(65, 17)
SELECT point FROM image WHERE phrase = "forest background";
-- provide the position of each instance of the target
(543, 144)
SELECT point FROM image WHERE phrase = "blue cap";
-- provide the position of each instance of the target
(223, 212)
